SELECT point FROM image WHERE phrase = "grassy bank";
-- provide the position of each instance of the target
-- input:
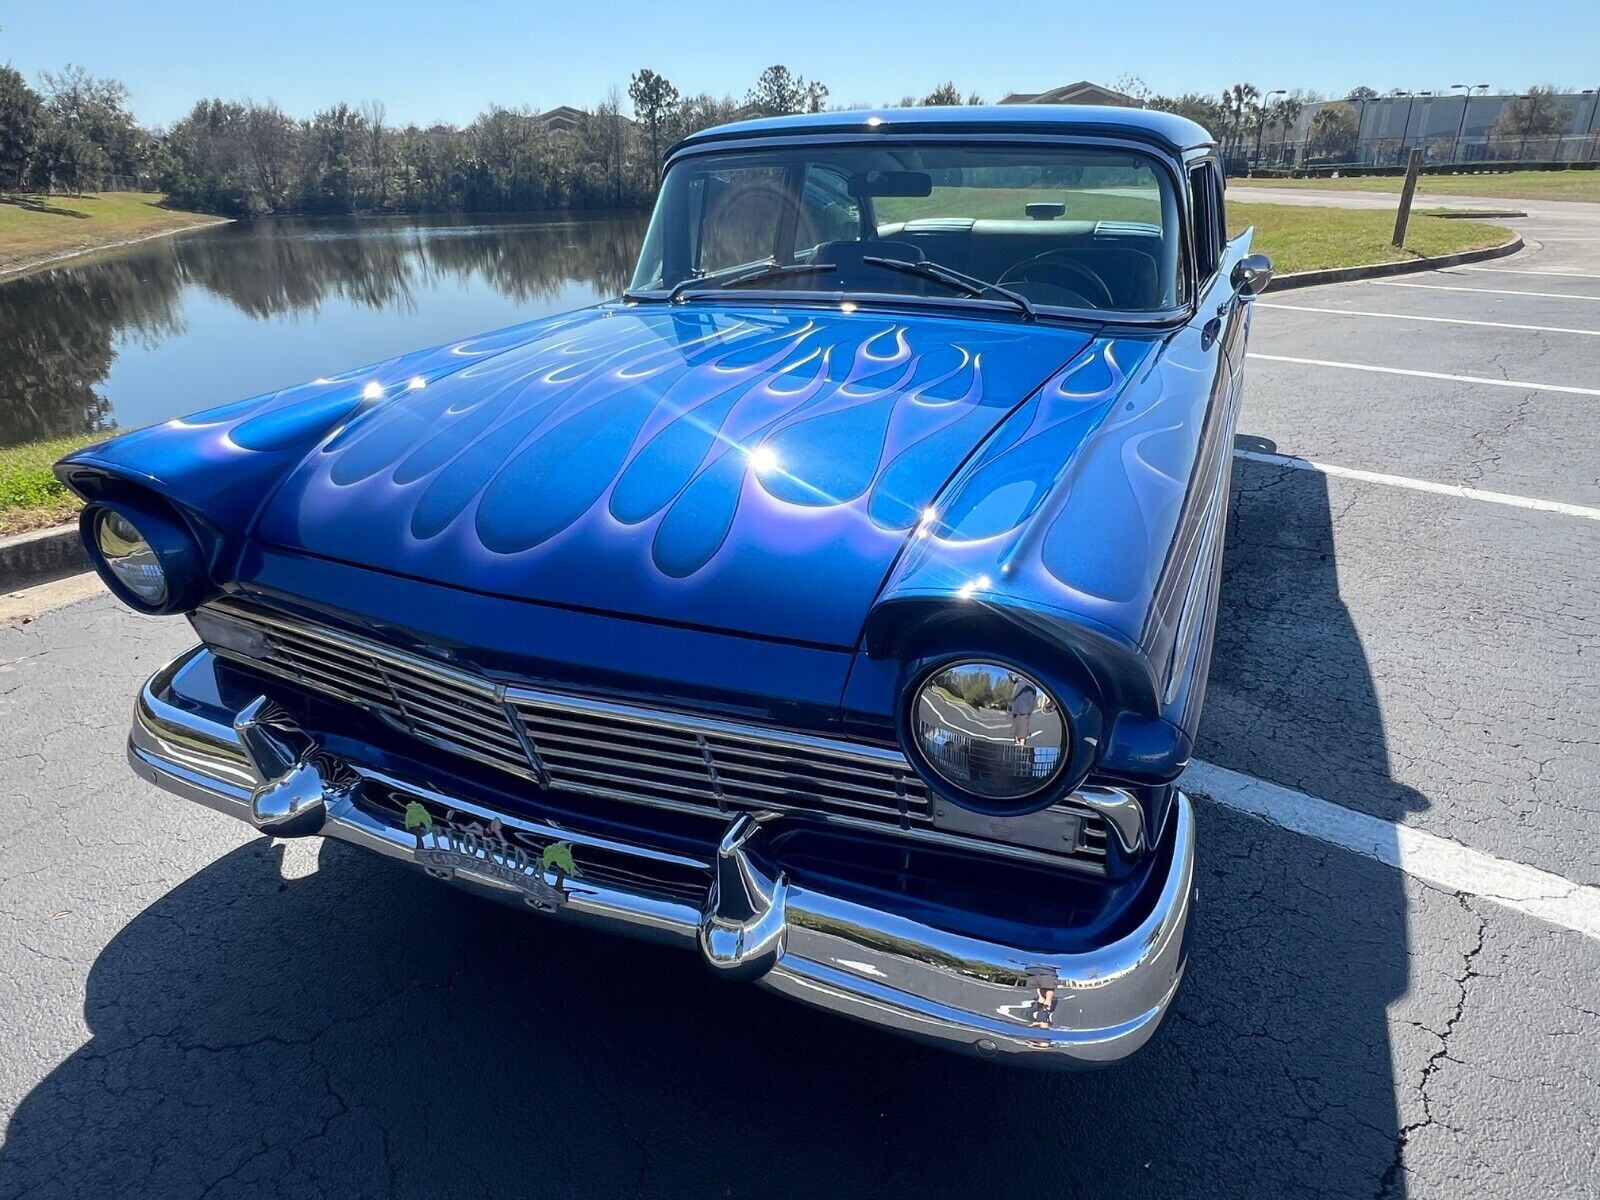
(35, 229)
(1302, 238)
(30, 496)
(1510, 185)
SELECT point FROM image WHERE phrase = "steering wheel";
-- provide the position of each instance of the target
(1041, 267)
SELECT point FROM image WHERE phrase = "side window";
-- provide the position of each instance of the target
(1210, 233)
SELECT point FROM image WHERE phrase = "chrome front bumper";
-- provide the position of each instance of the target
(1061, 1010)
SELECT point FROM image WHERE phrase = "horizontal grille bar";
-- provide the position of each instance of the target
(580, 741)
(596, 747)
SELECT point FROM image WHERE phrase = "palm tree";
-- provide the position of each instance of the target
(1237, 104)
(1284, 114)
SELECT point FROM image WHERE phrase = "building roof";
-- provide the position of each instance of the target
(564, 118)
(1082, 92)
(1164, 129)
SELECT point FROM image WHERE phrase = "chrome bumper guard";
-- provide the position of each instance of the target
(1063, 1010)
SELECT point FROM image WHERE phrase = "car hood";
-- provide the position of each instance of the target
(742, 469)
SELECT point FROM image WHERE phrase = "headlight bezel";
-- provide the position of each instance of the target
(1075, 710)
(174, 548)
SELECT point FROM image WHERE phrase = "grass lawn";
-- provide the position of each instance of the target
(1510, 185)
(999, 204)
(1296, 238)
(35, 227)
(30, 496)
(1301, 238)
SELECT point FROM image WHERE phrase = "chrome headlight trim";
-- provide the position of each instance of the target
(989, 731)
(130, 557)
(146, 557)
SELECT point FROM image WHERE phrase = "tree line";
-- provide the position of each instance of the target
(244, 158)
(76, 132)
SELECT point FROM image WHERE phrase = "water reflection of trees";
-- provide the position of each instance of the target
(59, 331)
(58, 335)
(274, 268)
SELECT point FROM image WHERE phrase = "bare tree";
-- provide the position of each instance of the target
(272, 142)
(1538, 114)
(611, 141)
(377, 151)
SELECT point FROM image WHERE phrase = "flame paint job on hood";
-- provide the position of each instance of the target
(1071, 511)
(747, 469)
(223, 463)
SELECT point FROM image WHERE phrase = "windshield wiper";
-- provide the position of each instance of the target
(951, 277)
(771, 270)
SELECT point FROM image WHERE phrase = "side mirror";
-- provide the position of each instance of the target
(1252, 274)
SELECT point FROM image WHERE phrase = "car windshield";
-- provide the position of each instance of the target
(1032, 227)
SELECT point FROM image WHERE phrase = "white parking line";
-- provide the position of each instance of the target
(1445, 287)
(1358, 312)
(1525, 271)
(1348, 366)
(1425, 856)
(1422, 485)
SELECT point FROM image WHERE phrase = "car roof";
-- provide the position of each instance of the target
(1167, 130)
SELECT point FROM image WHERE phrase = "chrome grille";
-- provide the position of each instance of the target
(619, 751)
(594, 747)
(454, 710)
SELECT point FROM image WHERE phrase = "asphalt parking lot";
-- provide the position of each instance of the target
(188, 1010)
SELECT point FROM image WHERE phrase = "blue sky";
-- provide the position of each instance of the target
(431, 60)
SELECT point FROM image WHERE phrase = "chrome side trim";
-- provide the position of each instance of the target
(1057, 1010)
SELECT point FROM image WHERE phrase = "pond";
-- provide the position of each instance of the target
(130, 337)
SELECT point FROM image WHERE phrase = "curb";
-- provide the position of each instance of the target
(44, 554)
(1300, 279)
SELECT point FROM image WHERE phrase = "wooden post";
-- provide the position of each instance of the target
(1403, 217)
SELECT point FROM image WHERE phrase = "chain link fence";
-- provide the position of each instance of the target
(1391, 153)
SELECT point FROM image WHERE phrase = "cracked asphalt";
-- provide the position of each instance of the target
(188, 1010)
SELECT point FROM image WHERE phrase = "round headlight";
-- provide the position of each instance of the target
(989, 730)
(130, 558)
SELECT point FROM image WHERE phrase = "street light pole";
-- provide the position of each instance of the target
(1405, 134)
(1406, 128)
(1466, 98)
(1261, 121)
(1594, 111)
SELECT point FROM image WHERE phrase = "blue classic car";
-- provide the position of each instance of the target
(837, 603)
